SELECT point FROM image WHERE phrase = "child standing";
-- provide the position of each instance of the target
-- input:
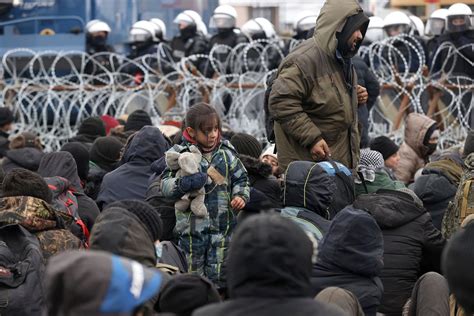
(205, 240)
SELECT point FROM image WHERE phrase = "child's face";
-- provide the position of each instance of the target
(272, 161)
(392, 161)
(206, 138)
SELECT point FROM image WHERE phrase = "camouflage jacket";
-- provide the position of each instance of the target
(51, 227)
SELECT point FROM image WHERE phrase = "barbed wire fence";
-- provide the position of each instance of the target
(52, 92)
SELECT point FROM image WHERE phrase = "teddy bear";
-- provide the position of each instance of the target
(187, 163)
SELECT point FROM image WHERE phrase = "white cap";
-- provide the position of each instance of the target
(142, 31)
(97, 26)
(258, 25)
(225, 16)
(459, 9)
(418, 24)
(269, 152)
(396, 18)
(161, 27)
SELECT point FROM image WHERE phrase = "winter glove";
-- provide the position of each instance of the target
(192, 182)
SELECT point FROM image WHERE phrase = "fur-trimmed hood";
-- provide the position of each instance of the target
(255, 167)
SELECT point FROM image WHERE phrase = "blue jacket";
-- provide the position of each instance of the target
(130, 180)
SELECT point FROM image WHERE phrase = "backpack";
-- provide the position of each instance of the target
(21, 272)
(461, 207)
(345, 193)
(65, 201)
(307, 221)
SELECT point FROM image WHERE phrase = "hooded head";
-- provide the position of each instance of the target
(337, 21)
(26, 139)
(81, 155)
(416, 128)
(60, 164)
(281, 259)
(147, 145)
(98, 283)
(119, 231)
(354, 244)
(137, 120)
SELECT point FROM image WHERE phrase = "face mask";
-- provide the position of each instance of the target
(431, 148)
(98, 40)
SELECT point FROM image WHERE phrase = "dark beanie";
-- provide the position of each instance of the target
(145, 213)
(105, 152)
(6, 116)
(247, 145)
(185, 293)
(92, 126)
(22, 182)
(469, 144)
(458, 259)
(137, 120)
(385, 146)
(81, 156)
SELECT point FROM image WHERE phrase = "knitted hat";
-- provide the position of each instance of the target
(22, 182)
(81, 156)
(385, 146)
(26, 139)
(6, 116)
(145, 213)
(371, 158)
(469, 144)
(92, 126)
(105, 152)
(413, 195)
(109, 123)
(457, 262)
(185, 293)
(98, 283)
(247, 145)
(137, 120)
(270, 151)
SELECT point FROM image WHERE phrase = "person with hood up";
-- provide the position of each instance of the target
(130, 179)
(437, 186)
(371, 174)
(421, 140)
(26, 200)
(351, 257)
(104, 157)
(98, 283)
(315, 96)
(136, 121)
(259, 173)
(81, 156)
(278, 280)
(412, 245)
(90, 129)
(60, 172)
(25, 152)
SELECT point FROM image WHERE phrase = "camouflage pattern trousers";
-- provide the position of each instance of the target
(206, 246)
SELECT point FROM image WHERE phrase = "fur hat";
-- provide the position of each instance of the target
(26, 139)
(22, 182)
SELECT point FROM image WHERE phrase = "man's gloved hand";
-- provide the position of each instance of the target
(192, 182)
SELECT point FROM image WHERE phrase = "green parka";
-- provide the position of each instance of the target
(310, 98)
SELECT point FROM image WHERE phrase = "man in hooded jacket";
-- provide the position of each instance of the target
(130, 180)
(315, 96)
(277, 282)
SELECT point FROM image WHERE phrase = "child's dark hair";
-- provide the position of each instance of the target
(199, 116)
